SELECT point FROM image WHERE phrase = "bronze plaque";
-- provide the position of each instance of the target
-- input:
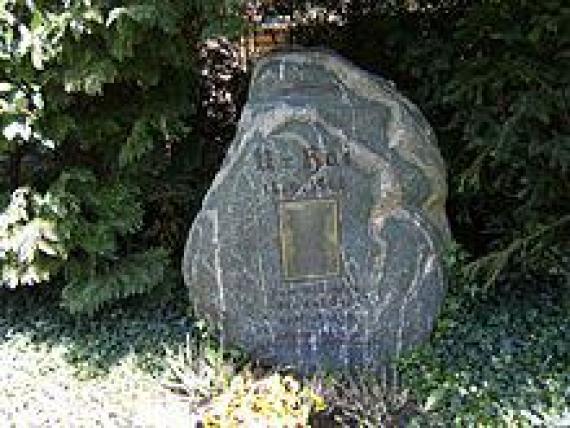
(309, 232)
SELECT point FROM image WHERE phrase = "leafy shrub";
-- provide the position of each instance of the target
(197, 371)
(221, 395)
(31, 246)
(272, 401)
(96, 117)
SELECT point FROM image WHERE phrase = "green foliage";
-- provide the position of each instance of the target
(502, 361)
(492, 77)
(133, 274)
(509, 101)
(97, 107)
(31, 246)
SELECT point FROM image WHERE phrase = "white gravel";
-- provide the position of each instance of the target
(39, 389)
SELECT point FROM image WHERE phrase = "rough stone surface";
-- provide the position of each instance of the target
(318, 244)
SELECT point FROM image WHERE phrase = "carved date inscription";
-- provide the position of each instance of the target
(313, 161)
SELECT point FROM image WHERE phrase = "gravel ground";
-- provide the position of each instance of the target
(39, 389)
(61, 371)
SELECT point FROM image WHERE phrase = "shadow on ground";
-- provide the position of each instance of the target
(142, 325)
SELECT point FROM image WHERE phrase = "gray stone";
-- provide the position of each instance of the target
(319, 242)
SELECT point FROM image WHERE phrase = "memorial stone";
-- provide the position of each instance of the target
(319, 242)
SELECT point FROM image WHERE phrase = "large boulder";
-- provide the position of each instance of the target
(319, 242)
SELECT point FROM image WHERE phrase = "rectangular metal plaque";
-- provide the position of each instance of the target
(309, 233)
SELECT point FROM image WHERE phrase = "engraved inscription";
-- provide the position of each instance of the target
(309, 239)
(313, 161)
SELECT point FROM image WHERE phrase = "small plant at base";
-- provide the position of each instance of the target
(361, 399)
(222, 396)
(274, 400)
(198, 374)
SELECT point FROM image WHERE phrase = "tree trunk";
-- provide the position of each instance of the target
(15, 165)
